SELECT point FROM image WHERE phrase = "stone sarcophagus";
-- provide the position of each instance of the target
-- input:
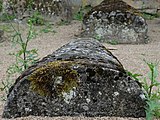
(82, 78)
(115, 21)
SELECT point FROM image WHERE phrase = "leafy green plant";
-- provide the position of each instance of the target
(78, 16)
(1, 5)
(48, 28)
(151, 87)
(113, 42)
(36, 19)
(82, 11)
(6, 28)
(134, 75)
(98, 37)
(23, 57)
(5, 85)
(29, 4)
(5, 17)
(149, 16)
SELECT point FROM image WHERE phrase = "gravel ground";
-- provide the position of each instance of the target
(131, 56)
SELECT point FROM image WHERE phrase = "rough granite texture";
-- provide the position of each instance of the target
(115, 21)
(48, 8)
(82, 78)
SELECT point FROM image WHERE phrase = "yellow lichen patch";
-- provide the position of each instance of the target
(44, 79)
(69, 82)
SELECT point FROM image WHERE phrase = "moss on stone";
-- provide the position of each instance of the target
(57, 76)
(108, 6)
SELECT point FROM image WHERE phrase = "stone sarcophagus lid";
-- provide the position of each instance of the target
(115, 21)
(82, 78)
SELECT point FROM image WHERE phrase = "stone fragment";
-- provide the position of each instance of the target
(115, 21)
(82, 78)
(147, 6)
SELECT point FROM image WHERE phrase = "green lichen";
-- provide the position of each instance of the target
(54, 78)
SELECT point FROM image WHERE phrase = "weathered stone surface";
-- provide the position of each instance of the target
(114, 20)
(49, 8)
(147, 6)
(80, 78)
